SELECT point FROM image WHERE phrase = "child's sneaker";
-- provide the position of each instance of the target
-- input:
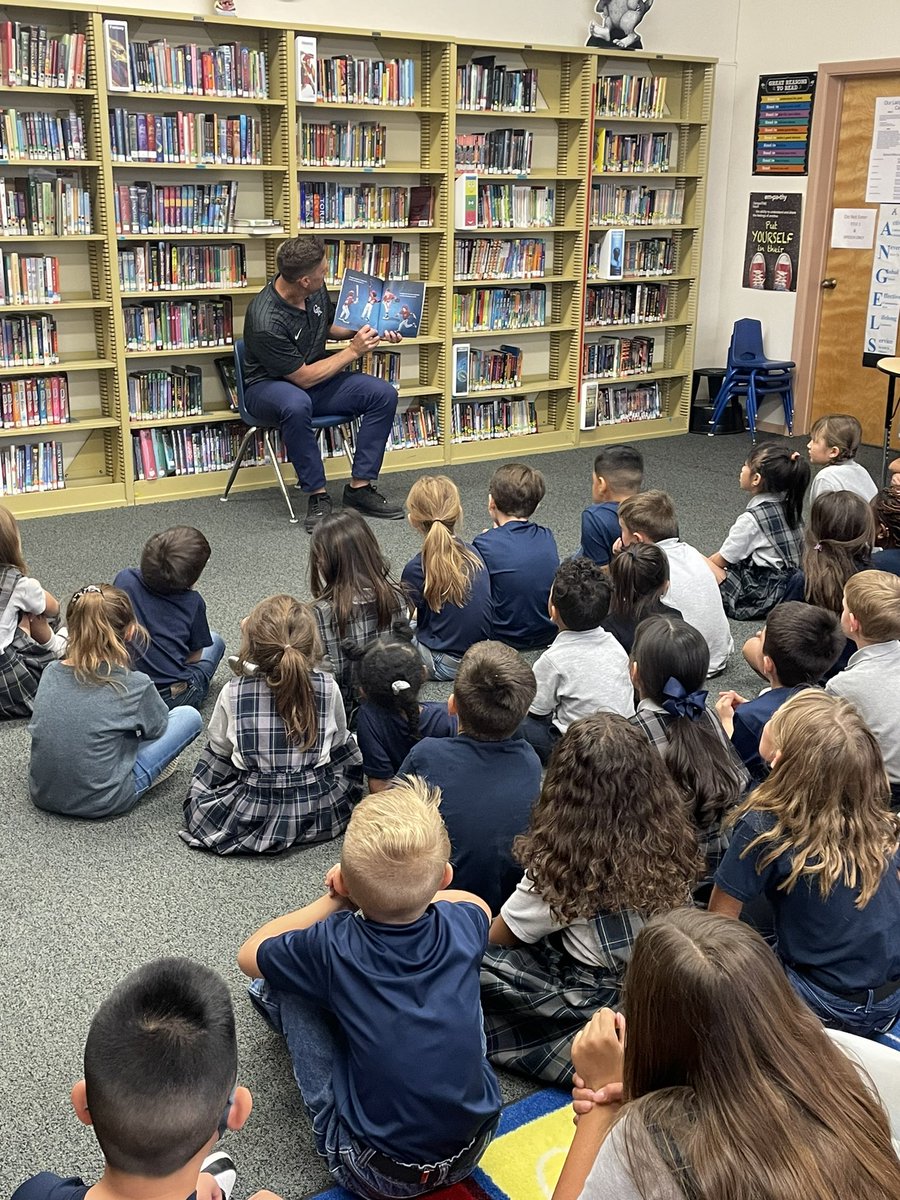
(220, 1166)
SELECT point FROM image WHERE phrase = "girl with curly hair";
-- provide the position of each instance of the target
(610, 844)
(886, 511)
(819, 841)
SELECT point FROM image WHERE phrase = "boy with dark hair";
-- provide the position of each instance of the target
(521, 558)
(800, 644)
(585, 670)
(183, 652)
(618, 474)
(375, 989)
(488, 775)
(159, 1088)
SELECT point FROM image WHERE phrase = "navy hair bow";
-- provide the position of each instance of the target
(680, 703)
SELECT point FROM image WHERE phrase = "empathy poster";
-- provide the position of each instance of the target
(773, 242)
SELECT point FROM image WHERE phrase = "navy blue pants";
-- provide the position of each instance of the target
(349, 393)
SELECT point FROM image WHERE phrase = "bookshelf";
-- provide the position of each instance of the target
(146, 295)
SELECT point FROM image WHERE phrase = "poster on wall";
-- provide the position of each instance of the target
(784, 108)
(883, 307)
(883, 185)
(773, 242)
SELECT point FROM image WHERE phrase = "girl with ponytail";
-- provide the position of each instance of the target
(639, 578)
(281, 766)
(448, 585)
(101, 736)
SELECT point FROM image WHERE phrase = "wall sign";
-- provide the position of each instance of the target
(773, 242)
(883, 312)
(883, 185)
(784, 107)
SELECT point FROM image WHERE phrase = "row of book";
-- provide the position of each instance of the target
(30, 56)
(326, 205)
(613, 204)
(232, 69)
(36, 467)
(167, 266)
(34, 400)
(342, 144)
(31, 341)
(157, 395)
(476, 421)
(382, 256)
(41, 136)
(631, 96)
(343, 79)
(494, 368)
(495, 151)
(44, 203)
(383, 364)
(143, 207)
(29, 278)
(612, 406)
(484, 86)
(195, 450)
(631, 153)
(185, 137)
(412, 429)
(643, 256)
(498, 258)
(515, 206)
(612, 358)
(177, 324)
(626, 304)
(499, 308)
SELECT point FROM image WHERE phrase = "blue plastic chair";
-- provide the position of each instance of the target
(751, 375)
(254, 426)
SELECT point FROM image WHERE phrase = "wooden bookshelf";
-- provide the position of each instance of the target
(420, 149)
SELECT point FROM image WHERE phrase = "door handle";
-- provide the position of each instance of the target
(829, 284)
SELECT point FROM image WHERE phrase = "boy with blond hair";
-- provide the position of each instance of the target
(375, 989)
(871, 679)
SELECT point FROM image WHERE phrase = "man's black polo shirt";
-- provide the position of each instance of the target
(279, 338)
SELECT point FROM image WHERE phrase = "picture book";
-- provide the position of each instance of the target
(385, 304)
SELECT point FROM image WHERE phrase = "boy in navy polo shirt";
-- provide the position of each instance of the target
(488, 774)
(159, 1088)
(183, 652)
(375, 988)
(521, 558)
(800, 644)
(618, 474)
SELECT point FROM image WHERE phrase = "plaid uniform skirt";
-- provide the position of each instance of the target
(21, 665)
(535, 999)
(750, 591)
(254, 812)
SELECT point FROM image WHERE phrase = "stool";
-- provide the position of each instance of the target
(701, 414)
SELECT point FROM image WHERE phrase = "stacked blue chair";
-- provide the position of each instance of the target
(344, 423)
(752, 376)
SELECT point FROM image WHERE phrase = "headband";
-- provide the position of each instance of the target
(678, 703)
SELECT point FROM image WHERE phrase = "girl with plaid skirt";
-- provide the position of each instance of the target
(763, 546)
(28, 642)
(280, 767)
(609, 845)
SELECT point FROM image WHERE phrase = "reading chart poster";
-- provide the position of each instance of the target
(784, 108)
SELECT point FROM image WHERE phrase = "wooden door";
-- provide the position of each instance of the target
(840, 382)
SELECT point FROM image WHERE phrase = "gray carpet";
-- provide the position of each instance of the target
(85, 902)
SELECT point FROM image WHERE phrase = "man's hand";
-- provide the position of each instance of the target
(364, 340)
(598, 1050)
(393, 336)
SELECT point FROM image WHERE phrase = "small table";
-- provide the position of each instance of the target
(891, 368)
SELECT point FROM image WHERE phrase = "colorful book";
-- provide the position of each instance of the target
(385, 304)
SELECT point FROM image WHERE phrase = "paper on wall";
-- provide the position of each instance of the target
(883, 186)
(853, 228)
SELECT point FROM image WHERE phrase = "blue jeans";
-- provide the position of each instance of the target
(438, 664)
(837, 1013)
(200, 673)
(153, 757)
(313, 1041)
(542, 734)
(349, 393)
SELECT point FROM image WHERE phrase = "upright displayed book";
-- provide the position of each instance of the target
(388, 305)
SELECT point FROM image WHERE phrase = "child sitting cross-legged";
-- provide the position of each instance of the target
(610, 843)
(159, 1088)
(833, 443)
(100, 734)
(585, 670)
(618, 474)
(280, 766)
(374, 988)
(818, 840)
(488, 775)
(797, 648)
(391, 717)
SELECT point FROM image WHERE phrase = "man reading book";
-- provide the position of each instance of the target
(288, 378)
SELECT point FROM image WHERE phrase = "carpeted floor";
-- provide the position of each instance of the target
(84, 902)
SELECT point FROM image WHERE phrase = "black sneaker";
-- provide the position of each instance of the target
(319, 506)
(369, 501)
